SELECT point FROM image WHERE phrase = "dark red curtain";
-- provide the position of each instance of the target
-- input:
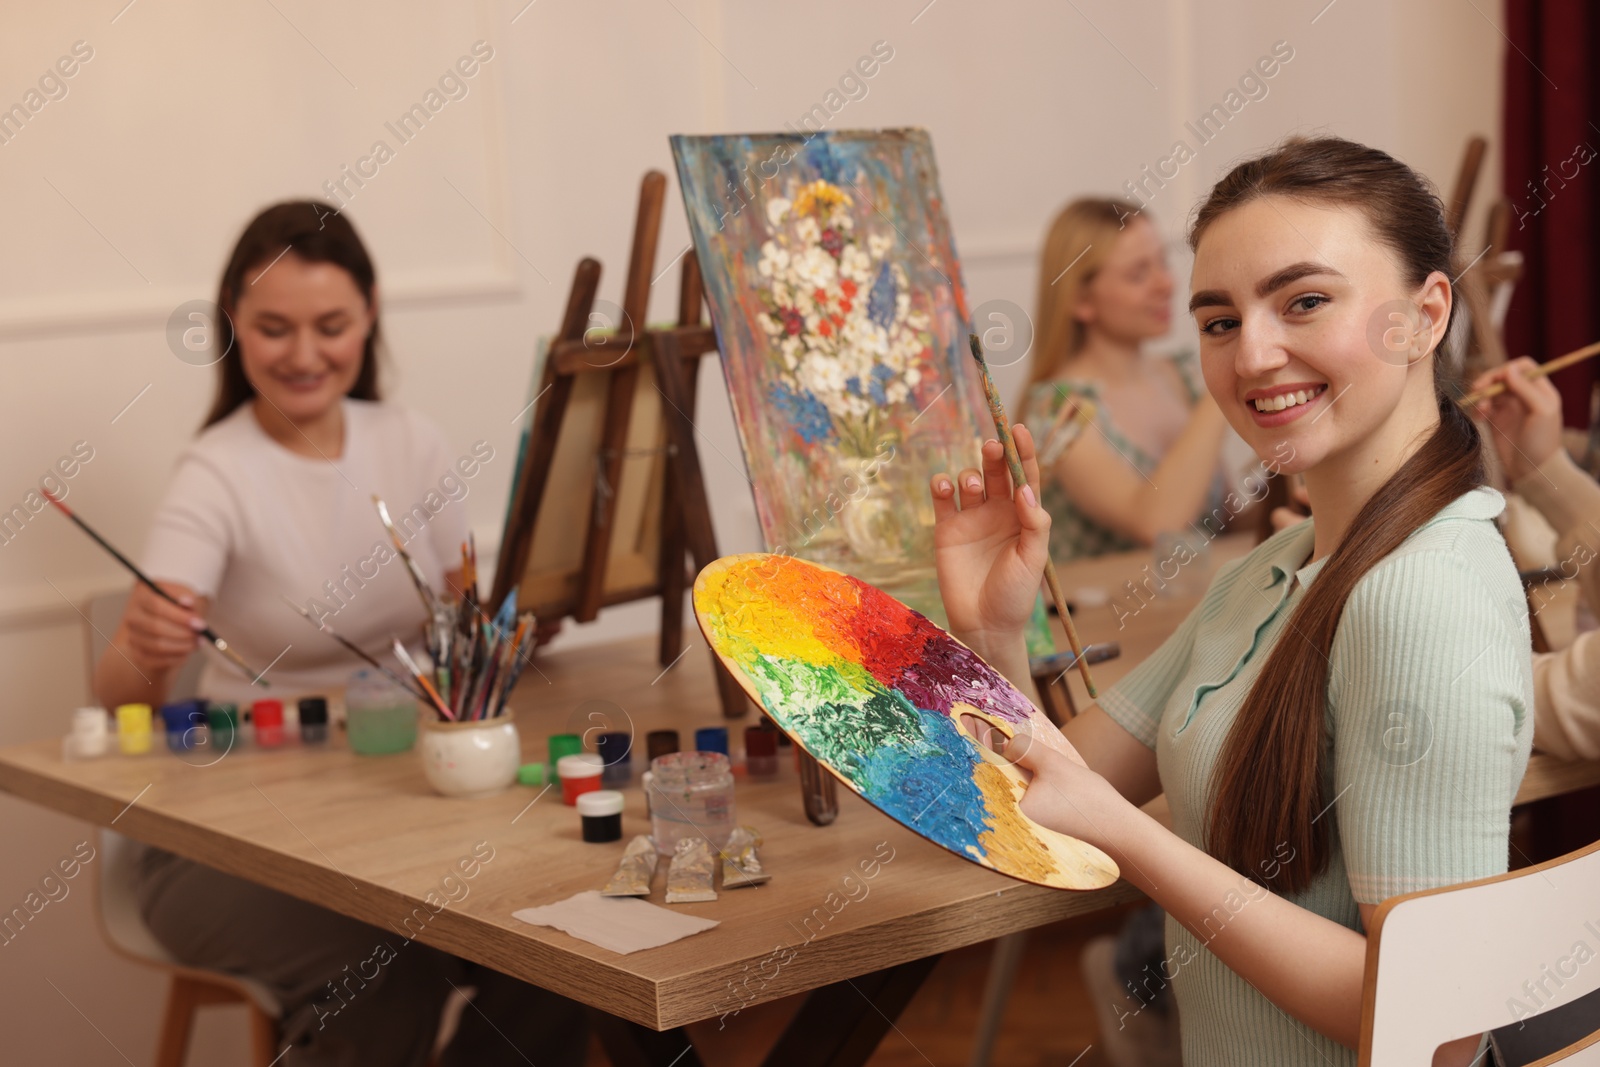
(1550, 130)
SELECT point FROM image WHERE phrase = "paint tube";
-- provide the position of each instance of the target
(693, 867)
(741, 866)
(633, 875)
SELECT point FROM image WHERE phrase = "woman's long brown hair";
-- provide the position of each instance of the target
(1267, 788)
(316, 233)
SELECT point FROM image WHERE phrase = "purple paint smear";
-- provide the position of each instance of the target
(949, 673)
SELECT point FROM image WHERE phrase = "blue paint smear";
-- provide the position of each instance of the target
(929, 787)
(910, 762)
(804, 412)
(881, 298)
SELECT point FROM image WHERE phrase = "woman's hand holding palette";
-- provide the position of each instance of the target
(876, 693)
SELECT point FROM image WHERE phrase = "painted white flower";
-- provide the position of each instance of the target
(776, 210)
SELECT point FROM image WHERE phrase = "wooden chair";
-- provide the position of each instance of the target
(117, 910)
(189, 989)
(1446, 963)
(1050, 678)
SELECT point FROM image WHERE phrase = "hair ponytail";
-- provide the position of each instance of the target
(1267, 787)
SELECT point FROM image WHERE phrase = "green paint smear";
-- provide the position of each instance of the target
(910, 762)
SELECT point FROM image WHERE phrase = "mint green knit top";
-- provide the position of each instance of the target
(1429, 722)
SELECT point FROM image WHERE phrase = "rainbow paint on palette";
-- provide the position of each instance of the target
(875, 691)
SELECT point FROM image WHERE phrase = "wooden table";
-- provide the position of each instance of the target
(367, 837)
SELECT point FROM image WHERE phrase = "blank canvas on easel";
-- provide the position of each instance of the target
(551, 582)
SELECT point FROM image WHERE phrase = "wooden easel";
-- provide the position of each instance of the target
(673, 354)
(1493, 269)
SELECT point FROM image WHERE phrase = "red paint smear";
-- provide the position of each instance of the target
(890, 635)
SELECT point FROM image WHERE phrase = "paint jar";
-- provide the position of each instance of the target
(816, 789)
(530, 774)
(314, 720)
(601, 814)
(615, 751)
(133, 729)
(761, 752)
(691, 796)
(711, 739)
(223, 722)
(185, 721)
(475, 758)
(562, 745)
(660, 743)
(579, 774)
(380, 715)
(91, 734)
(267, 715)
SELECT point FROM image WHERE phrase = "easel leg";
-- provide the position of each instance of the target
(672, 565)
(692, 490)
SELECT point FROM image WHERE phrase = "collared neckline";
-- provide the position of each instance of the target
(1483, 502)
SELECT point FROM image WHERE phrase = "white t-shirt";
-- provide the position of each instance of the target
(246, 522)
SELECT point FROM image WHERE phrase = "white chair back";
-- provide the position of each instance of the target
(1446, 963)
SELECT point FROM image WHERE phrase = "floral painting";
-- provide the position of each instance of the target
(839, 306)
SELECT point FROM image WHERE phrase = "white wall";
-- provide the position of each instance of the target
(121, 200)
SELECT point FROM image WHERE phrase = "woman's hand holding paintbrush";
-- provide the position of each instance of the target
(146, 583)
(990, 548)
(161, 633)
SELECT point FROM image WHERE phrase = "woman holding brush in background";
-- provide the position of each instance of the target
(274, 499)
(1525, 423)
(1348, 712)
(1155, 464)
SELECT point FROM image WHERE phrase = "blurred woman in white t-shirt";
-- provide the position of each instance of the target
(274, 499)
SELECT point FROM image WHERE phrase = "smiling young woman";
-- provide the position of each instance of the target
(1347, 713)
(265, 502)
(273, 499)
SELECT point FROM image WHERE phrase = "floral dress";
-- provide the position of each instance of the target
(1073, 534)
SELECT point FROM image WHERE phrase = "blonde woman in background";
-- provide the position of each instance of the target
(1154, 464)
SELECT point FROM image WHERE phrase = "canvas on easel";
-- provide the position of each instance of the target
(837, 296)
(608, 496)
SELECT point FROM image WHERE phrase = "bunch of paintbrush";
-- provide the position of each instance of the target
(476, 660)
(487, 657)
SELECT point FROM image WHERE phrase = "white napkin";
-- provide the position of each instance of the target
(621, 924)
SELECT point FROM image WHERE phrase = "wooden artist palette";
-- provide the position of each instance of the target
(876, 692)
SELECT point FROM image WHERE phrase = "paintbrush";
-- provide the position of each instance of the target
(410, 665)
(1559, 363)
(429, 601)
(514, 662)
(325, 628)
(1002, 428)
(1069, 422)
(209, 634)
